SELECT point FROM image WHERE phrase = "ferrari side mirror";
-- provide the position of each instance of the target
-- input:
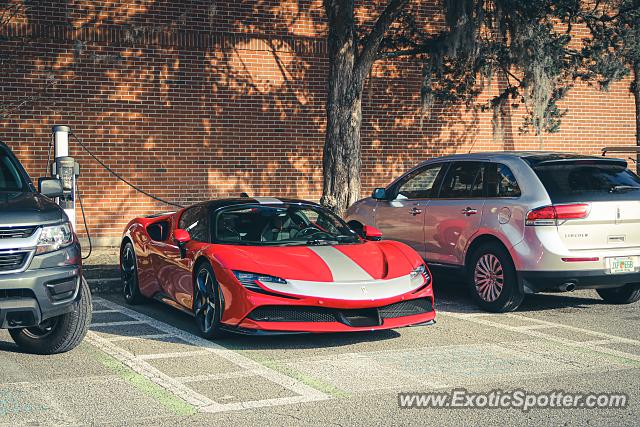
(372, 233)
(181, 236)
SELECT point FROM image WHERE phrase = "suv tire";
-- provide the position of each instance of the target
(623, 295)
(492, 279)
(58, 334)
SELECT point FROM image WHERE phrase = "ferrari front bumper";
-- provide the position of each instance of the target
(299, 318)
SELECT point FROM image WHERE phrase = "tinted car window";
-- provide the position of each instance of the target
(10, 177)
(464, 180)
(501, 182)
(584, 181)
(419, 184)
(281, 225)
(195, 220)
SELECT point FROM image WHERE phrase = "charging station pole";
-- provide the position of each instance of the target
(66, 170)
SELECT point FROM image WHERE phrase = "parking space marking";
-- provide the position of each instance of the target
(171, 355)
(213, 377)
(155, 375)
(104, 311)
(594, 345)
(119, 323)
(305, 393)
(139, 337)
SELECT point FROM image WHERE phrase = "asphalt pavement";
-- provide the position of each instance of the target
(146, 365)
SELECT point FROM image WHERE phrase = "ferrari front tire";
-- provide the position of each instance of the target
(129, 275)
(207, 307)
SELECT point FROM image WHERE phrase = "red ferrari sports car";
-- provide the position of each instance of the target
(266, 265)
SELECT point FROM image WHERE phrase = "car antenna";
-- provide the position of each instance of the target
(244, 194)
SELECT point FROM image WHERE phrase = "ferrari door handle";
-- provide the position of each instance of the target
(469, 211)
(415, 211)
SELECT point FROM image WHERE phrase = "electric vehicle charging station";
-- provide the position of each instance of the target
(66, 169)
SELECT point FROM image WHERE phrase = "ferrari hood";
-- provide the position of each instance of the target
(342, 263)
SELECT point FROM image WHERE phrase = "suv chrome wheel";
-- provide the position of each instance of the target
(488, 277)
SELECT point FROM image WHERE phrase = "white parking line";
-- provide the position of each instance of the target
(104, 311)
(213, 377)
(119, 323)
(151, 373)
(595, 345)
(304, 392)
(138, 337)
(175, 354)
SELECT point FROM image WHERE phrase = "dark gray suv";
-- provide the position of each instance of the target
(44, 302)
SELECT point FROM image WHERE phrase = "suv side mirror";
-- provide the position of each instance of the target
(50, 187)
(371, 233)
(379, 194)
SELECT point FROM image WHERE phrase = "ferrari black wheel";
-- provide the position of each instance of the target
(129, 275)
(207, 307)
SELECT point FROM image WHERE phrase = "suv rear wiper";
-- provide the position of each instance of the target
(617, 188)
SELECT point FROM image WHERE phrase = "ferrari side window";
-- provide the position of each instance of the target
(195, 221)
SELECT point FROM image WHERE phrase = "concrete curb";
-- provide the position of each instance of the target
(111, 285)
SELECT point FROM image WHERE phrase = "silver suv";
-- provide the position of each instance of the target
(517, 223)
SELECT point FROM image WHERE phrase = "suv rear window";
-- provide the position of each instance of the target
(10, 176)
(585, 181)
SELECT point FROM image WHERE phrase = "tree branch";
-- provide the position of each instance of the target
(372, 42)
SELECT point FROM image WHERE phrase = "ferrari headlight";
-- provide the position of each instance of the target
(419, 276)
(54, 237)
(248, 280)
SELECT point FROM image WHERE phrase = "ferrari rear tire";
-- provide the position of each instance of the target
(207, 307)
(129, 275)
(624, 295)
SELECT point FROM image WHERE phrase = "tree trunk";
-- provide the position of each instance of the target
(348, 68)
(635, 88)
(341, 157)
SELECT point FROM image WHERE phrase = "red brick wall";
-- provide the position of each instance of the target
(199, 99)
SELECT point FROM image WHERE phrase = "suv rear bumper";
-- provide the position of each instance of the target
(37, 294)
(538, 281)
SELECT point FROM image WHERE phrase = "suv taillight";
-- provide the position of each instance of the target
(550, 215)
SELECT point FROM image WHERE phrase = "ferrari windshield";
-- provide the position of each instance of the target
(10, 177)
(282, 224)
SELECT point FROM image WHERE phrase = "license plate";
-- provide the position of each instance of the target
(621, 265)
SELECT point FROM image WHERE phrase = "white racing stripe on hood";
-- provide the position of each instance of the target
(343, 268)
(352, 291)
(267, 200)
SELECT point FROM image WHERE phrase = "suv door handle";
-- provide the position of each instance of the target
(415, 211)
(469, 211)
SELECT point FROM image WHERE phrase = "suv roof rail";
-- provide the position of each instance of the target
(620, 149)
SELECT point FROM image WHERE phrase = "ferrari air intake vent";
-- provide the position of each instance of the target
(406, 308)
(276, 313)
(356, 318)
